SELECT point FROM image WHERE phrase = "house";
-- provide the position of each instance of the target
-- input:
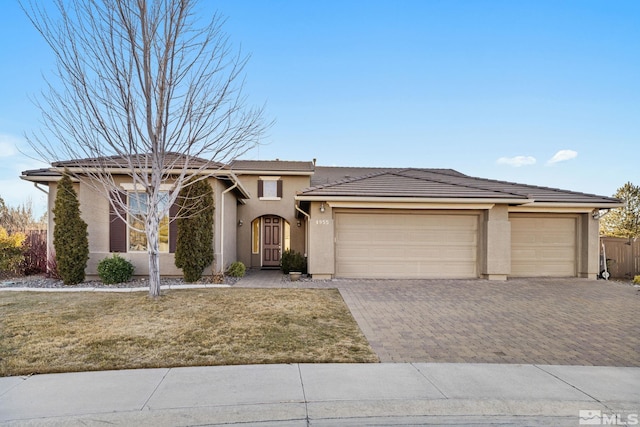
(355, 222)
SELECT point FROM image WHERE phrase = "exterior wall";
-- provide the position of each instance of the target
(225, 225)
(94, 210)
(589, 244)
(256, 208)
(495, 244)
(321, 263)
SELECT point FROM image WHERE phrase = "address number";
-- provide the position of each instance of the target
(322, 222)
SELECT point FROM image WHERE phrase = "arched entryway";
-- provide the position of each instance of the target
(271, 235)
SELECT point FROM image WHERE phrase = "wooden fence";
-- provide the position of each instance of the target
(623, 257)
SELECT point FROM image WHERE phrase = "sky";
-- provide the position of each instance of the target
(540, 92)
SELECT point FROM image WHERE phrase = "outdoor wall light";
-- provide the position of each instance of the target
(599, 213)
(240, 223)
(322, 207)
(299, 224)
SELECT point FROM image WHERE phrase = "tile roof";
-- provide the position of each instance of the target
(173, 160)
(272, 166)
(434, 183)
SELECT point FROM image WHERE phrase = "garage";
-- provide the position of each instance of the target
(406, 245)
(543, 246)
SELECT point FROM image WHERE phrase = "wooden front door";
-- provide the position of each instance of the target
(272, 241)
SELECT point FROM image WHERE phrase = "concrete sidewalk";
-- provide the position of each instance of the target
(324, 395)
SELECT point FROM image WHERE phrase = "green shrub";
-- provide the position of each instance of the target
(636, 280)
(11, 251)
(237, 269)
(115, 270)
(69, 234)
(194, 246)
(293, 261)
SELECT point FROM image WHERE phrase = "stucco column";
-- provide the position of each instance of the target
(321, 242)
(589, 253)
(496, 244)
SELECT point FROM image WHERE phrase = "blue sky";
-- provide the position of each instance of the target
(537, 92)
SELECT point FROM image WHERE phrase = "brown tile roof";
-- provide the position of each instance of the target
(173, 160)
(271, 166)
(435, 183)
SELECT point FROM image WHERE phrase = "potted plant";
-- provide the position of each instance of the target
(294, 264)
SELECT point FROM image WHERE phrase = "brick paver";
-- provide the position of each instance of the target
(532, 321)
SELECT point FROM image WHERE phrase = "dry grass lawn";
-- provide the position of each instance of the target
(66, 332)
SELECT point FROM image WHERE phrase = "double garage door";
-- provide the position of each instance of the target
(433, 245)
(406, 245)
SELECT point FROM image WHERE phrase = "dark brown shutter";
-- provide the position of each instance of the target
(260, 188)
(173, 227)
(117, 227)
(279, 194)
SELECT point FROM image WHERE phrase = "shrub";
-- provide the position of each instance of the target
(237, 269)
(293, 261)
(11, 251)
(69, 234)
(35, 254)
(194, 245)
(636, 280)
(115, 270)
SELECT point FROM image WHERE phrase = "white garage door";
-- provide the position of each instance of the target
(381, 245)
(543, 246)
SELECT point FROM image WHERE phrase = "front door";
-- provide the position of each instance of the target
(272, 241)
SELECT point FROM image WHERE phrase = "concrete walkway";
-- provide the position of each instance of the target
(324, 395)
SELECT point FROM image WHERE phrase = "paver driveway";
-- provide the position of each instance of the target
(533, 321)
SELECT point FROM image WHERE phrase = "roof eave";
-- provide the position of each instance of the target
(587, 205)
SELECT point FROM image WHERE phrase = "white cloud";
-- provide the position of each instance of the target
(8, 145)
(517, 161)
(563, 156)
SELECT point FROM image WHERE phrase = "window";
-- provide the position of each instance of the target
(269, 188)
(137, 237)
(287, 237)
(255, 236)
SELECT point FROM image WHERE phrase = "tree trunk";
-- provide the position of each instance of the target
(154, 256)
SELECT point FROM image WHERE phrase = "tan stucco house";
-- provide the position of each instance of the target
(354, 222)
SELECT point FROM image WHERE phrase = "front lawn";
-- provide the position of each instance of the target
(66, 332)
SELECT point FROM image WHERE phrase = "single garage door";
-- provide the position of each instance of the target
(543, 246)
(405, 245)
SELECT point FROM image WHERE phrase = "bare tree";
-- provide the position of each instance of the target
(142, 88)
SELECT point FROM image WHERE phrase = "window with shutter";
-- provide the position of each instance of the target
(270, 188)
(117, 227)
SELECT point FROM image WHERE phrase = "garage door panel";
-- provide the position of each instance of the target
(543, 246)
(406, 245)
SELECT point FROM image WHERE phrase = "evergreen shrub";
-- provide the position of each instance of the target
(194, 243)
(115, 270)
(69, 234)
(237, 269)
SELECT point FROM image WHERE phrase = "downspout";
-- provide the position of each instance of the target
(235, 180)
(306, 231)
(35, 184)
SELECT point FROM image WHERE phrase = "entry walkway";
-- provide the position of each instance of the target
(324, 395)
